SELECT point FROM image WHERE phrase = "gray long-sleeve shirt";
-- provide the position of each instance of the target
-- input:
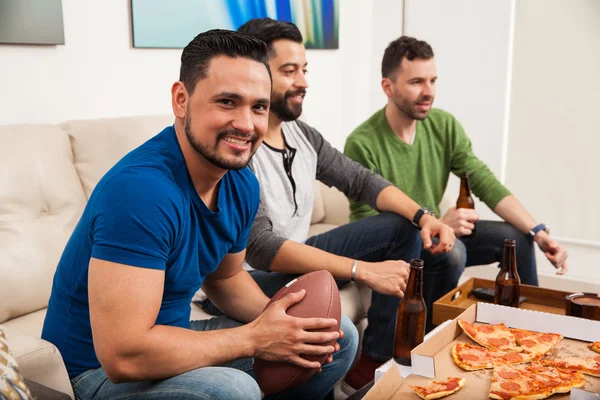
(287, 188)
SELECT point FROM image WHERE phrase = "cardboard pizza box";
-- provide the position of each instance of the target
(580, 394)
(389, 382)
(387, 385)
(432, 359)
(459, 299)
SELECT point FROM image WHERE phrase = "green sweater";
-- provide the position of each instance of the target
(421, 170)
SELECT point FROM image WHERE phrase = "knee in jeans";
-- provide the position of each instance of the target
(410, 233)
(523, 240)
(416, 241)
(456, 259)
(233, 384)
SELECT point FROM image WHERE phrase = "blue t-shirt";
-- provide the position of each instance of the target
(146, 213)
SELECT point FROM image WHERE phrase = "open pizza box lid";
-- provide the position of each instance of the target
(388, 385)
(432, 359)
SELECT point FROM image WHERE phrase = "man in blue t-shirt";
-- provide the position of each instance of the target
(171, 216)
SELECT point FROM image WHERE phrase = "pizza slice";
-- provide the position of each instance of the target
(536, 342)
(471, 358)
(587, 365)
(495, 337)
(595, 346)
(439, 389)
(532, 381)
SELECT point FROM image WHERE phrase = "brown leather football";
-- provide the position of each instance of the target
(322, 300)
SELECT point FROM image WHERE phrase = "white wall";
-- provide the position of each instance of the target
(471, 40)
(97, 73)
(344, 84)
(388, 17)
(333, 92)
(534, 128)
(553, 159)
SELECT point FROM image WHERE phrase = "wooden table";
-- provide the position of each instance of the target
(456, 301)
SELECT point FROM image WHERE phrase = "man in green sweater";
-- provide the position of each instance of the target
(416, 147)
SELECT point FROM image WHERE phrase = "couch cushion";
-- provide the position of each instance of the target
(352, 304)
(336, 205)
(99, 144)
(41, 199)
(39, 360)
(318, 212)
(317, 229)
(29, 324)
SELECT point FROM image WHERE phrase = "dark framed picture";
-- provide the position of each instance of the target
(31, 22)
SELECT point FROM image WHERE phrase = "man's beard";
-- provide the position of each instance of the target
(410, 109)
(285, 112)
(212, 155)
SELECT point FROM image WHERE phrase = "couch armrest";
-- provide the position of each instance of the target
(39, 361)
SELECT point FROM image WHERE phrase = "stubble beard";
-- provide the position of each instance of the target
(213, 156)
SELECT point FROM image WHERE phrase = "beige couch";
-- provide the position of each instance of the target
(47, 173)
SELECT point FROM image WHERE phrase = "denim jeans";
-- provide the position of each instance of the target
(385, 236)
(442, 271)
(234, 380)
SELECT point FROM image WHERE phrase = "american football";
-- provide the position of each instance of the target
(322, 300)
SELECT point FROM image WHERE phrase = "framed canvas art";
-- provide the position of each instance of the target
(173, 23)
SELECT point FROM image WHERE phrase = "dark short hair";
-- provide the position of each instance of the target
(404, 46)
(197, 55)
(268, 30)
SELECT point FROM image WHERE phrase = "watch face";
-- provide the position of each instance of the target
(428, 211)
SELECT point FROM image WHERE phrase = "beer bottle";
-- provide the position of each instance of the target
(465, 200)
(412, 314)
(508, 281)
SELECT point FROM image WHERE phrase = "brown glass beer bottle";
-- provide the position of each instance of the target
(412, 314)
(508, 281)
(465, 200)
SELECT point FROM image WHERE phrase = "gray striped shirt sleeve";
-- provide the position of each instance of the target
(335, 169)
(263, 243)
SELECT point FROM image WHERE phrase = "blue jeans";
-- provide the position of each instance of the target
(386, 236)
(442, 271)
(234, 380)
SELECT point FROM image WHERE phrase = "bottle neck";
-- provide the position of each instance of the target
(509, 263)
(465, 188)
(414, 286)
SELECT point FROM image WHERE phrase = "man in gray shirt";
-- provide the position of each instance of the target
(374, 251)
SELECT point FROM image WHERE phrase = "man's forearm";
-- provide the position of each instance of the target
(165, 351)
(512, 211)
(238, 296)
(298, 258)
(395, 200)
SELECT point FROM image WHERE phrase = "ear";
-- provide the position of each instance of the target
(387, 86)
(179, 99)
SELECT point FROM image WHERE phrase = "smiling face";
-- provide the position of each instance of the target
(288, 66)
(226, 116)
(413, 88)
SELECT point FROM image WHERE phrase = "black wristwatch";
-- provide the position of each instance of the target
(417, 218)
